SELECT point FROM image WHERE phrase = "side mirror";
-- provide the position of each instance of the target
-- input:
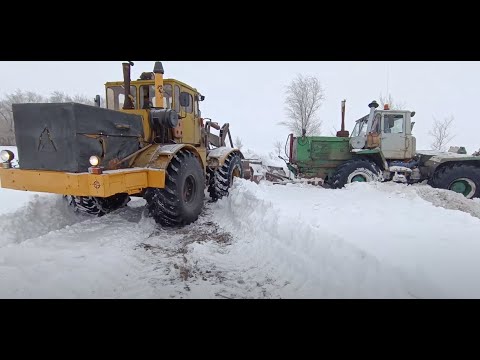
(412, 114)
(184, 99)
(413, 124)
(97, 100)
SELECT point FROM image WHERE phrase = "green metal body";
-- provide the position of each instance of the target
(319, 156)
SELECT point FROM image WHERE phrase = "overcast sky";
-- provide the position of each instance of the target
(250, 95)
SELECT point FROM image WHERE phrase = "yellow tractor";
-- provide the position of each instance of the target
(150, 141)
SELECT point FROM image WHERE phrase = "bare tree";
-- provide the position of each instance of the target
(277, 145)
(333, 131)
(238, 143)
(441, 133)
(392, 103)
(304, 97)
(6, 115)
(60, 97)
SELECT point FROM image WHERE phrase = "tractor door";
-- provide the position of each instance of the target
(191, 129)
(394, 139)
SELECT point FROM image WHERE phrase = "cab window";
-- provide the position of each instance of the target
(393, 123)
(116, 97)
(176, 100)
(189, 108)
(196, 109)
(148, 99)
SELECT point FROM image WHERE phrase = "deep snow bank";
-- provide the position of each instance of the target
(47, 251)
(309, 260)
(39, 216)
(368, 240)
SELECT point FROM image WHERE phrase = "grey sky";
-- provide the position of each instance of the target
(249, 95)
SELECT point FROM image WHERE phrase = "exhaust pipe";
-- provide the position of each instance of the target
(342, 132)
(158, 73)
(127, 103)
(373, 105)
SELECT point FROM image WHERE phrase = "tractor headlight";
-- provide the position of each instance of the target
(94, 160)
(7, 155)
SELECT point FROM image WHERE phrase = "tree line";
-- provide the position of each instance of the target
(304, 97)
(7, 130)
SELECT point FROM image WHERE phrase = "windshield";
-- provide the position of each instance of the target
(116, 97)
(360, 127)
(148, 99)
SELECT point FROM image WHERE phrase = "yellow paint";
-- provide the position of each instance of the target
(155, 157)
(217, 161)
(190, 130)
(202, 152)
(159, 90)
(130, 181)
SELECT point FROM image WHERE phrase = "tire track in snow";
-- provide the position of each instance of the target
(48, 251)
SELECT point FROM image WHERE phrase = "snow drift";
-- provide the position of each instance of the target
(368, 240)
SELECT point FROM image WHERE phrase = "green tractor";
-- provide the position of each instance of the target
(381, 148)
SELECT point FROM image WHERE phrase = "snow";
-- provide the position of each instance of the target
(369, 240)
(219, 152)
(266, 159)
(399, 169)
(440, 155)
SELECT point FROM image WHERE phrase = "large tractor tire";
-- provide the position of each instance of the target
(181, 201)
(356, 170)
(460, 178)
(222, 178)
(98, 206)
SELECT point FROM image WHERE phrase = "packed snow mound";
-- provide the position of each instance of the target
(366, 240)
(269, 159)
(437, 197)
(41, 215)
(49, 251)
(304, 258)
(448, 199)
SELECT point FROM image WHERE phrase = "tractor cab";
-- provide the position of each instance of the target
(143, 96)
(389, 130)
(177, 96)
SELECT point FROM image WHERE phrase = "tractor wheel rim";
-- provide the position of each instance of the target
(463, 186)
(361, 175)
(189, 189)
(359, 178)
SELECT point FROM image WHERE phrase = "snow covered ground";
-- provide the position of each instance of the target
(263, 241)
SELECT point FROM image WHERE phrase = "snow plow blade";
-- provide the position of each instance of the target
(130, 181)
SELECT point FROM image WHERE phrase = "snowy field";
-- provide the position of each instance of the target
(263, 241)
